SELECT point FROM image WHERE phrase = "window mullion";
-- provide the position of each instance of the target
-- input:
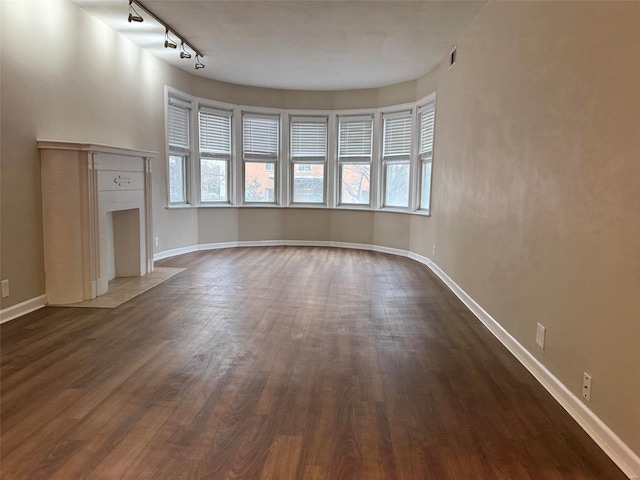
(376, 164)
(285, 173)
(415, 164)
(193, 168)
(331, 169)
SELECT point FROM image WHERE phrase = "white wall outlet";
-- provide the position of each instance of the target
(540, 334)
(155, 241)
(5, 288)
(586, 386)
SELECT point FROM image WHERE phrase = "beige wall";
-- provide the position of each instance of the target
(384, 229)
(536, 204)
(537, 188)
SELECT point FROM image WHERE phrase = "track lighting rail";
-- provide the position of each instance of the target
(168, 28)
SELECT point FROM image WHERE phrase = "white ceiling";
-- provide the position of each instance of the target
(299, 44)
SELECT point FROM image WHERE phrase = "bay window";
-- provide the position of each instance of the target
(364, 159)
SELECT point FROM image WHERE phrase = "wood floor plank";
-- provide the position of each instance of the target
(284, 455)
(280, 363)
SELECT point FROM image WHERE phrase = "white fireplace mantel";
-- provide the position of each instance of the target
(83, 186)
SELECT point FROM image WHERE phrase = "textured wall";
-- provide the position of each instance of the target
(537, 205)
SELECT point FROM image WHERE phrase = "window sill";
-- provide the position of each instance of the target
(307, 206)
(185, 206)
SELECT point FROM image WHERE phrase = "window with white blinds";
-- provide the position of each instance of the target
(308, 139)
(178, 125)
(215, 154)
(427, 125)
(215, 133)
(396, 156)
(355, 139)
(427, 116)
(308, 150)
(355, 149)
(178, 141)
(397, 136)
(260, 146)
(260, 137)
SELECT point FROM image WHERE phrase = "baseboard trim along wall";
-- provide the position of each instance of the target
(277, 243)
(22, 308)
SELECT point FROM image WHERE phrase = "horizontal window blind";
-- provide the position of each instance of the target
(215, 133)
(260, 138)
(309, 139)
(355, 139)
(178, 125)
(427, 124)
(397, 137)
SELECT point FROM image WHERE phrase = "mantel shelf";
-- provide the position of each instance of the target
(95, 148)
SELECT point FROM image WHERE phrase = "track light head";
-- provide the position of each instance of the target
(198, 64)
(168, 43)
(183, 52)
(133, 15)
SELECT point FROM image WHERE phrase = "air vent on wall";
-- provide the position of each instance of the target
(452, 57)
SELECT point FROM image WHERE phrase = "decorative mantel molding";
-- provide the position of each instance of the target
(81, 184)
(95, 148)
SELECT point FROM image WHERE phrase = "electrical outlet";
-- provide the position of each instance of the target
(155, 241)
(586, 386)
(5, 288)
(540, 334)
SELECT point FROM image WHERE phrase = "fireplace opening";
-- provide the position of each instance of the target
(122, 244)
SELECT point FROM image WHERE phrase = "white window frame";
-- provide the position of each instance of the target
(296, 161)
(408, 111)
(424, 157)
(227, 158)
(180, 100)
(270, 115)
(359, 160)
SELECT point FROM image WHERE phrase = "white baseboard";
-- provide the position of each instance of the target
(174, 252)
(391, 251)
(277, 243)
(606, 439)
(22, 308)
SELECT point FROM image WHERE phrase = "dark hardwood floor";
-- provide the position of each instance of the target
(280, 363)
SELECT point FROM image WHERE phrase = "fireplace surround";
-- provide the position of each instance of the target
(97, 217)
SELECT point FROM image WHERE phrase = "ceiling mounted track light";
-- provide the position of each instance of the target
(183, 52)
(168, 43)
(134, 16)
